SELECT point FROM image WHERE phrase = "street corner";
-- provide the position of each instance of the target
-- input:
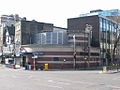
(108, 72)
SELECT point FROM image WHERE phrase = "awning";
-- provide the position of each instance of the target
(30, 53)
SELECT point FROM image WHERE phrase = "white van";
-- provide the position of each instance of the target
(9, 61)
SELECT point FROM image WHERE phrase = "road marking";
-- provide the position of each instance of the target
(64, 83)
(59, 82)
(50, 80)
(55, 86)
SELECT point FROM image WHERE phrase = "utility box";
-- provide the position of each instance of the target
(46, 66)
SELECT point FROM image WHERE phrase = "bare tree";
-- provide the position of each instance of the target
(116, 18)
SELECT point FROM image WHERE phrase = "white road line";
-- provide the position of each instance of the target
(55, 86)
(59, 82)
(50, 80)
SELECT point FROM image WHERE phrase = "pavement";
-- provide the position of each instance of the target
(20, 79)
(109, 72)
(2, 66)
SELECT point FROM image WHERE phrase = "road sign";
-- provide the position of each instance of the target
(35, 57)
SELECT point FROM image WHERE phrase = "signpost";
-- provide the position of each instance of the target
(34, 62)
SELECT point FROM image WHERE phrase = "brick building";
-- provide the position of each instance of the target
(53, 53)
(58, 56)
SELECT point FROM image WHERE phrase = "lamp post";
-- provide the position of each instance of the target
(14, 53)
(63, 64)
(74, 54)
(88, 30)
(2, 61)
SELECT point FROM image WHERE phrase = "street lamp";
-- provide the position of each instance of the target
(63, 63)
(13, 53)
(88, 30)
(74, 54)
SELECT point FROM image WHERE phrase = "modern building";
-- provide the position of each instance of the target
(57, 36)
(113, 14)
(103, 33)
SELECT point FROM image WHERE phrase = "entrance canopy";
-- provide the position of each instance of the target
(29, 53)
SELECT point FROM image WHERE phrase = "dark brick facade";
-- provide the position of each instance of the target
(79, 24)
(31, 27)
(59, 63)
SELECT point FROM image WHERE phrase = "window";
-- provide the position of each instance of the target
(43, 38)
(54, 38)
(86, 53)
(18, 27)
(60, 38)
(83, 53)
(94, 54)
(48, 38)
(56, 59)
(101, 23)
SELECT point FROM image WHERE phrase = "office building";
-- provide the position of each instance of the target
(113, 14)
(103, 33)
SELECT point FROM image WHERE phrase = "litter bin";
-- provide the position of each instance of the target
(41, 67)
(14, 66)
(27, 67)
(32, 67)
(46, 66)
(36, 67)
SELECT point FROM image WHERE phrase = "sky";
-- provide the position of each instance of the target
(54, 11)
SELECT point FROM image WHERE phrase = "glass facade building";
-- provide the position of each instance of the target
(108, 34)
(112, 12)
(55, 37)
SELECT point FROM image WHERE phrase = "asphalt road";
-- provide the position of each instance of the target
(16, 79)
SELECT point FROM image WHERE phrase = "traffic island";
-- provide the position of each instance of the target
(107, 70)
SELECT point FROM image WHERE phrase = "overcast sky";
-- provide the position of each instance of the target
(54, 11)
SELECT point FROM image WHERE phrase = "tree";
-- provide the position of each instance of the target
(116, 18)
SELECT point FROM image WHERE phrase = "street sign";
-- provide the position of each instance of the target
(35, 57)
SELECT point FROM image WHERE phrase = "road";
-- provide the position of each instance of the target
(17, 79)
